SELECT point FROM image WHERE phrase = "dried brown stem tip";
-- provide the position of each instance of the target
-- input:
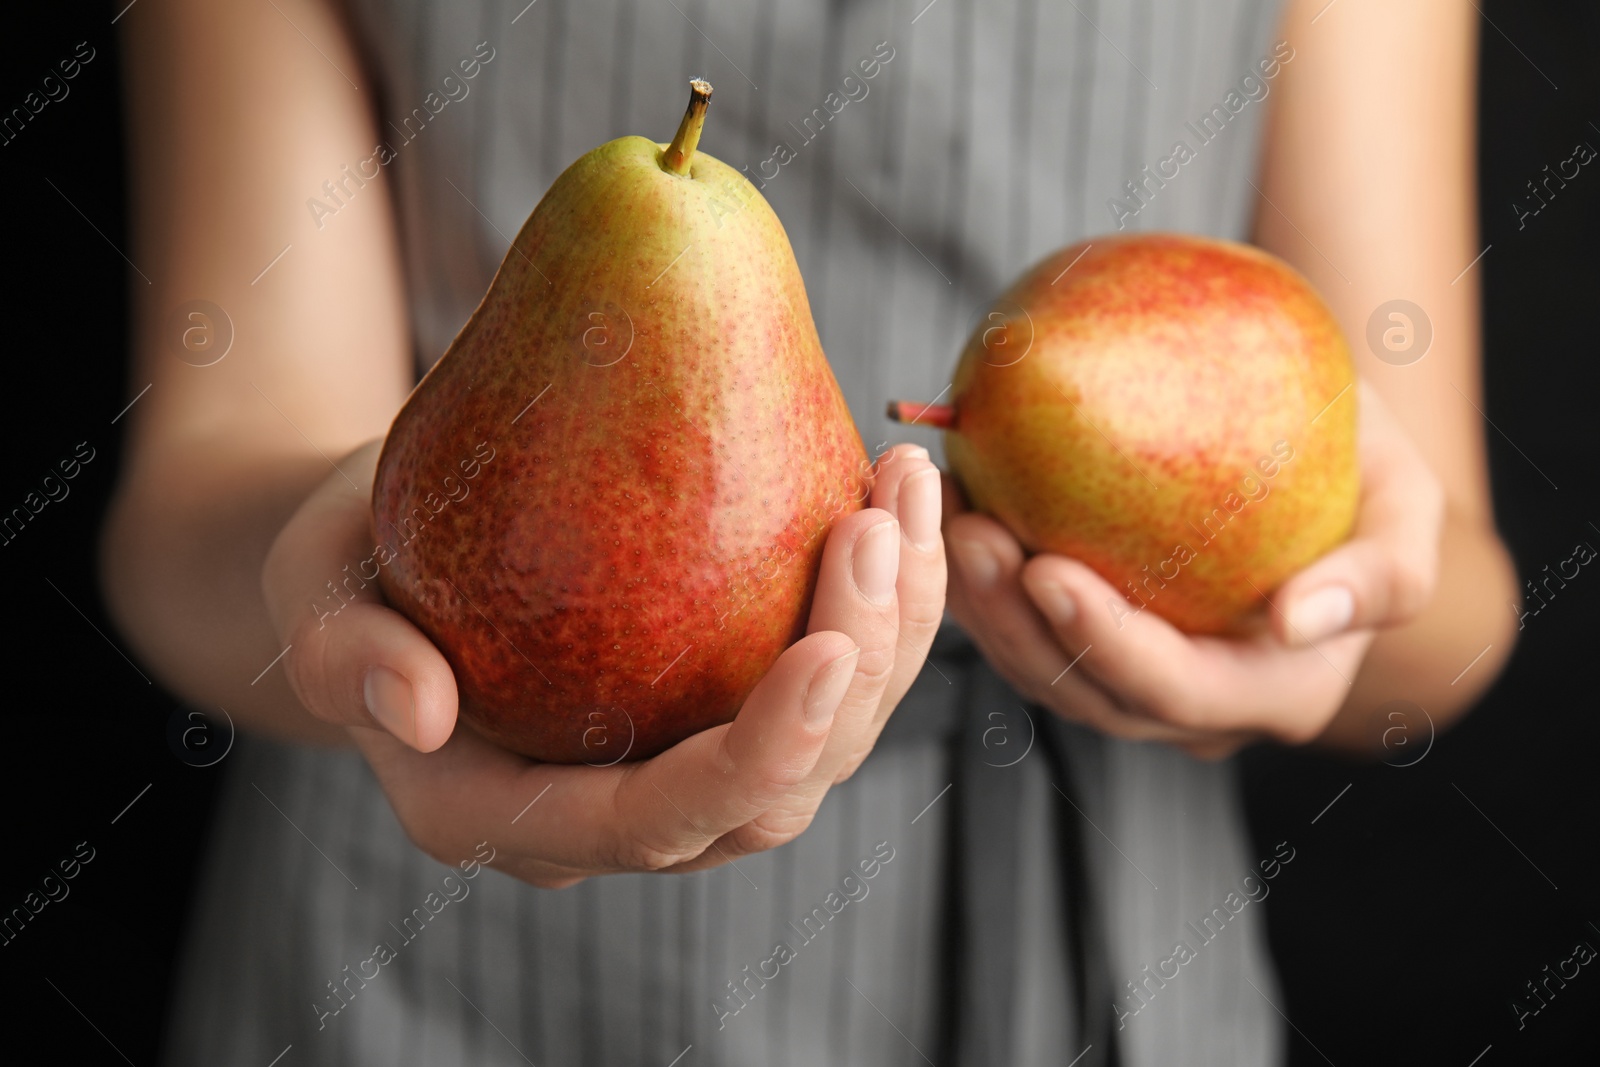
(680, 153)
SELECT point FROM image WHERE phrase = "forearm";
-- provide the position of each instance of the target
(181, 559)
(1434, 662)
(232, 119)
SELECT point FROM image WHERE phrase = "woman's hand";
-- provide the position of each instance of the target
(750, 785)
(1133, 675)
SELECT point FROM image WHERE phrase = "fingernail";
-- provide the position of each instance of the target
(1054, 600)
(389, 698)
(827, 688)
(980, 567)
(877, 562)
(919, 509)
(1322, 614)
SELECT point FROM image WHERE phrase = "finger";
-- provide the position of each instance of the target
(986, 582)
(1204, 684)
(894, 639)
(856, 592)
(857, 595)
(471, 790)
(986, 594)
(1386, 574)
(891, 469)
(667, 810)
(910, 488)
(670, 809)
(555, 824)
(371, 667)
(1123, 646)
(350, 659)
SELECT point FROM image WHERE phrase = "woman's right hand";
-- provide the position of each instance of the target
(743, 787)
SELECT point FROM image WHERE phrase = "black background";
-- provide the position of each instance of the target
(1404, 928)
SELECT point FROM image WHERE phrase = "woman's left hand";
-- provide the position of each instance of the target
(1134, 675)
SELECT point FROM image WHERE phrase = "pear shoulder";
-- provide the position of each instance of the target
(725, 193)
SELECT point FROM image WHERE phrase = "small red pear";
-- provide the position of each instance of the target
(1177, 412)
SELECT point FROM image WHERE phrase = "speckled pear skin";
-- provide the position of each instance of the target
(645, 540)
(1146, 430)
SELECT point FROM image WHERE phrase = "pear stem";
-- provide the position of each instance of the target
(940, 416)
(680, 153)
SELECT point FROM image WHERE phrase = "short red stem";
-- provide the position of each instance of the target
(941, 416)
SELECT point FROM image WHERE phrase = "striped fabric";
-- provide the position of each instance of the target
(990, 133)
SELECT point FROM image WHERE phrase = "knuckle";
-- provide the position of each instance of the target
(769, 830)
(778, 778)
(633, 847)
(308, 673)
(760, 775)
(920, 617)
(875, 667)
(634, 853)
(539, 873)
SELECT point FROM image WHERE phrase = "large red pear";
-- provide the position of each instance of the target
(1177, 412)
(607, 502)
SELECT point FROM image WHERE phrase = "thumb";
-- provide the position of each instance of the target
(1385, 575)
(351, 659)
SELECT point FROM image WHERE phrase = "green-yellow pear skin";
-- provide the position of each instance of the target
(606, 504)
(1177, 412)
